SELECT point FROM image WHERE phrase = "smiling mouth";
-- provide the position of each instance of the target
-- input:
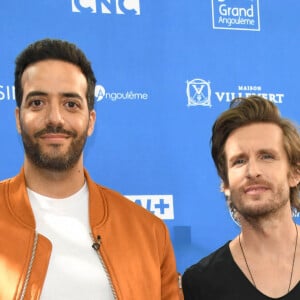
(54, 138)
(54, 132)
(253, 190)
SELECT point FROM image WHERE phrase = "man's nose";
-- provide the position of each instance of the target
(253, 169)
(54, 114)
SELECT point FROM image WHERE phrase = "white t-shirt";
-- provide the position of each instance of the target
(74, 271)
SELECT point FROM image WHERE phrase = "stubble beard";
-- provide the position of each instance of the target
(264, 208)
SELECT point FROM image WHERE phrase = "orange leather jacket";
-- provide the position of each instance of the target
(134, 246)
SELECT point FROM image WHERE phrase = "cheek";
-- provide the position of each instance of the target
(31, 123)
(235, 176)
(27, 121)
(80, 126)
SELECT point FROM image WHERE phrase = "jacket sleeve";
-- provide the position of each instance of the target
(169, 276)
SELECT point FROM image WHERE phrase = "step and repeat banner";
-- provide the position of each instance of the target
(165, 70)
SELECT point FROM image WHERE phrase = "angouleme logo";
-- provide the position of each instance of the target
(199, 93)
(101, 94)
(160, 205)
(115, 7)
(236, 14)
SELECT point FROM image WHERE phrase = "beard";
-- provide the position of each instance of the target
(54, 161)
(260, 206)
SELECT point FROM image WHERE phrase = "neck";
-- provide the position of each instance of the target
(270, 231)
(281, 264)
(267, 252)
(55, 184)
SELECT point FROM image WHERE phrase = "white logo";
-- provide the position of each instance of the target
(236, 14)
(101, 94)
(7, 92)
(119, 7)
(198, 92)
(160, 205)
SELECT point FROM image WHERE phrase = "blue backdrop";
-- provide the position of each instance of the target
(165, 70)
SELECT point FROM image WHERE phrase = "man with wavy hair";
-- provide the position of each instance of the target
(257, 156)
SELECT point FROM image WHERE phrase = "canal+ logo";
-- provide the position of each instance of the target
(160, 205)
(236, 14)
(113, 7)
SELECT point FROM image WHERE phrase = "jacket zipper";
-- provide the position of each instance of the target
(96, 246)
(29, 266)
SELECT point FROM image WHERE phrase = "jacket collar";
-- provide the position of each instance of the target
(19, 203)
(98, 204)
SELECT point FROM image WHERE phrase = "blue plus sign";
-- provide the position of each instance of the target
(161, 206)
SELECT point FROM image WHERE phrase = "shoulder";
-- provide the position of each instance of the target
(208, 265)
(6, 181)
(121, 207)
(135, 222)
(12, 185)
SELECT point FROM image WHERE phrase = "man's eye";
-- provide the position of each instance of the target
(238, 161)
(71, 104)
(267, 156)
(35, 103)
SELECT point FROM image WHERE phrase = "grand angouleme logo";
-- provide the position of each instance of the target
(113, 7)
(236, 14)
(199, 93)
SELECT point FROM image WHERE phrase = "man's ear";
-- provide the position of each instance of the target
(92, 121)
(225, 189)
(227, 192)
(294, 176)
(17, 116)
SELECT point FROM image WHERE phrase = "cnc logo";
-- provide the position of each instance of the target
(101, 94)
(114, 7)
(198, 92)
(160, 205)
(236, 14)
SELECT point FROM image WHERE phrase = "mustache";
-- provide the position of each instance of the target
(258, 182)
(54, 129)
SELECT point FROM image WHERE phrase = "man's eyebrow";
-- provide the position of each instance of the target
(234, 157)
(266, 150)
(72, 95)
(35, 93)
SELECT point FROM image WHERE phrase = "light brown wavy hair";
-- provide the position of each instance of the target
(255, 109)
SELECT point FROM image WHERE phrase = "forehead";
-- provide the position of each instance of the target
(53, 71)
(254, 137)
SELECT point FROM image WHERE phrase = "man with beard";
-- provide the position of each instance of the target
(62, 236)
(257, 155)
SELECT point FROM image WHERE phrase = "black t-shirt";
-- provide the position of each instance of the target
(217, 277)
